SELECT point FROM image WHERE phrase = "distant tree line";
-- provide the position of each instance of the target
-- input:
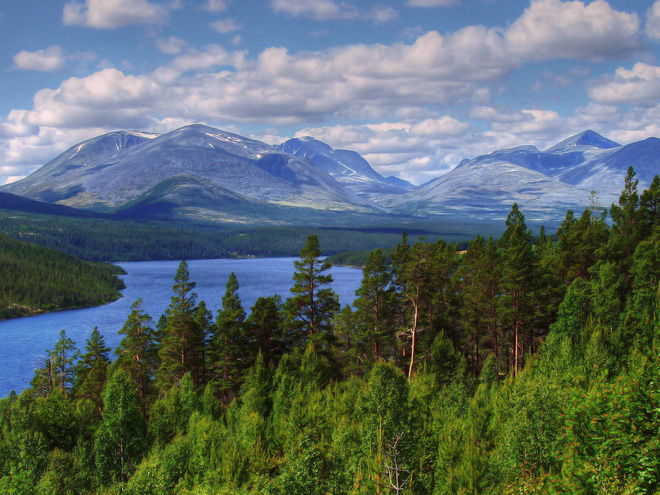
(100, 239)
(524, 365)
(35, 279)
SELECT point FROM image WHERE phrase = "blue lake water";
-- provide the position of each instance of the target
(24, 340)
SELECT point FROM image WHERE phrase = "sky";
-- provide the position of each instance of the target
(415, 86)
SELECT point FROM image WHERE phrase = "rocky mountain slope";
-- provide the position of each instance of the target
(202, 173)
(110, 171)
(348, 167)
(544, 183)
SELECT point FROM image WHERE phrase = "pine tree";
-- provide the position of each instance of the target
(227, 347)
(414, 280)
(374, 308)
(92, 369)
(265, 330)
(313, 305)
(137, 352)
(518, 272)
(650, 205)
(478, 284)
(179, 333)
(57, 371)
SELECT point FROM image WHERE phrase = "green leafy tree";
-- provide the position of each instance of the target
(121, 438)
(383, 414)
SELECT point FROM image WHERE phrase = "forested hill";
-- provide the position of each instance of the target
(521, 367)
(34, 279)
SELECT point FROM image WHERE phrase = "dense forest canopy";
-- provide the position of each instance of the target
(525, 365)
(34, 279)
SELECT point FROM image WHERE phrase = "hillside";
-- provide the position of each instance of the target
(34, 279)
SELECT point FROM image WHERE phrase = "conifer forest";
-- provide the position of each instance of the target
(523, 365)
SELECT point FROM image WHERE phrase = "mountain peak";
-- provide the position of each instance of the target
(584, 139)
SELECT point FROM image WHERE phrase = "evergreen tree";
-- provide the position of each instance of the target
(416, 297)
(227, 348)
(650, 205)
(374, 309)
(265, 330)
(313, 305)
(57, 371)
(478, 284)
(180, 332)
(92, 369)
(518, 272)
(137, 352)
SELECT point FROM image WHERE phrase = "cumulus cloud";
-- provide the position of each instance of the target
(111, 14)
(49, 60)
(432, 3)
(653, 21)
(640, 85)
(413, 151)
(551, 29)
(226, 26)
(171, 45)
(326, 10)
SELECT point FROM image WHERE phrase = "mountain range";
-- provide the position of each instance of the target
(205, 174)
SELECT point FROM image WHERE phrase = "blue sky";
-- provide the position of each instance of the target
(413, 85)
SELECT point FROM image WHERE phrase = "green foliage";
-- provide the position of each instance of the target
(313, 304)
(121, 437)
(407, 392)
(34, 279)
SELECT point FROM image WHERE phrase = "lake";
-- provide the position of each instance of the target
(24, 340)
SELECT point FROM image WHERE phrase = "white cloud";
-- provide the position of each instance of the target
(531, 121)
(49, 60)
(432, 3)
(551, 29)
(414, 151)
(326, 10)
(226, 26)
(653, 21)
(640, 85)
(171, 45)
(111, 14)
(216, 5)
